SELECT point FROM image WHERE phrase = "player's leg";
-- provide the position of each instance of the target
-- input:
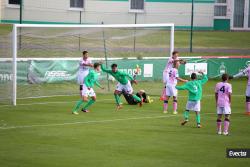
(163, 94)
(79, 103)
(90, 102)
(227, 114)
(168, 94)
(189, 107)
(198, 119)
(197, 106)
(129, 89)
(219, 116)
(248, 105)
(80, 81)
(226, 124)
(85, 93)
(175, 105)
(81, 90)
(175, 92)
(117, 94)
(186, 117)
(165, 104)
(92, 94)
(137, 99)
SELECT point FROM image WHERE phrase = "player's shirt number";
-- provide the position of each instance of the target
(222, 89)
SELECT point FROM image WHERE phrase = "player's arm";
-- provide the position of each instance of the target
(104, 69)
(89, 64)
(186, 86)
(229, 97)
(182, 61)
(98, 85)
(129, 77)
(216, 98)
(240, 74)
(182, 80)
(229, 93)
(216, 94)
(164, 74)
(182, 87)
(204, 78)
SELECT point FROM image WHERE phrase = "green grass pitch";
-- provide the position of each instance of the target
(43, 132)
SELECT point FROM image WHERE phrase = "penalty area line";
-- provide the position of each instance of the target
(84, 122)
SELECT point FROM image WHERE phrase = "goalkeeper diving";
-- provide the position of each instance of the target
(123, 85)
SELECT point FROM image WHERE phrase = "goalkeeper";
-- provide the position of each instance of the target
(123, 84)
(141, 94)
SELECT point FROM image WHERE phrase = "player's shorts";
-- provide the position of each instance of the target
(127, 88)
(224, 110)
(248, 90)
(171, 90)
(193, 106)
(87, 92)
(81, 75)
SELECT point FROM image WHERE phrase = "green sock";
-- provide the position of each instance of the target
(77, 106)
(137, 98)
(198, 118)
(117, 99)
(186, 115)
(90, 102)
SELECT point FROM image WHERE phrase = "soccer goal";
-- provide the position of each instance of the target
(46, 57)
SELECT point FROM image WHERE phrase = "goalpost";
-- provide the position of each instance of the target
(116, 39)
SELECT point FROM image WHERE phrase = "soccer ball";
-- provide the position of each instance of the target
(111, 78)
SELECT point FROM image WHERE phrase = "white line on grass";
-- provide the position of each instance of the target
(63, 102)
(97, 121)
(42, 103)
(38, 97)
(84, 122)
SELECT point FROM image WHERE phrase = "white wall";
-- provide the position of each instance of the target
(1, 10)
(112, 12)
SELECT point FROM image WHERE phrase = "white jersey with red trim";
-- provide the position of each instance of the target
(82, 66)
(171, 76)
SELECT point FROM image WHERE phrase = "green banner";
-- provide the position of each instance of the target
(56, 71)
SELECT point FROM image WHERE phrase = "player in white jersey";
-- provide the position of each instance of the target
(170, 82)
(84, 65)
(246, 72)
(223, 91)
(170, 62)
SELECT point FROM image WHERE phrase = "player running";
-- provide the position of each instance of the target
(246, 72)
(170, 63)
(87, 89)
(84, 65)
(170, 82)
(194, 88)
(123, 84)
(223, 91)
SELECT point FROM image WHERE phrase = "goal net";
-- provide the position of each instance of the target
(46, 58)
